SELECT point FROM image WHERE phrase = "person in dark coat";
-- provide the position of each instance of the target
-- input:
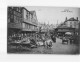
(53, 39)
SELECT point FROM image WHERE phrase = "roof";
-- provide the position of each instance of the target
(72, 19)
(32, 12)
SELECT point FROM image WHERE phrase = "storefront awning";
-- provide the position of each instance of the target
(68, 33)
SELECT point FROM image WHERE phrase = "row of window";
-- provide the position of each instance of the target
(73, 24)
(17, 19)
(10, 10)
(14, 19)
(17, 9)
(30, 16)
(14, 16)
(11, 18)
(13, 10)
(17, 14)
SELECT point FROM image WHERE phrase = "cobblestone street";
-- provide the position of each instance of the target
(57, 48)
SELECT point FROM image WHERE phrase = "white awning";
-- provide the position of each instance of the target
(69, 33)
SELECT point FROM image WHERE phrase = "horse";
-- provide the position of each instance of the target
(48, 43)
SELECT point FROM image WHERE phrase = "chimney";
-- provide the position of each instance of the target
(66, 19)
(77, 18)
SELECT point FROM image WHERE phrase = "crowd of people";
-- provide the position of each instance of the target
(19, 36)
(31, 38)
(34, 38)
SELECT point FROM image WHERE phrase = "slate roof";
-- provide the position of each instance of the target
(72, 19)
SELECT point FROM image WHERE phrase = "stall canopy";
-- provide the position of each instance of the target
(68, 33)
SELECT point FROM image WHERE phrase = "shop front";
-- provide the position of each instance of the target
(65, 31)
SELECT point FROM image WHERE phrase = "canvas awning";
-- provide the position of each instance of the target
(69, 33)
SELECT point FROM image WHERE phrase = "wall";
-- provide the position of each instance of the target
(29, 20)
(14, 17)
(74, 24)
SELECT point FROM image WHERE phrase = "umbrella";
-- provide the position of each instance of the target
(69, 33)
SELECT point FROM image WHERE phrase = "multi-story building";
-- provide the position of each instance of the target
(21, 20)
(14, 19)
(69, 25)
(72, 22)
(29, 21)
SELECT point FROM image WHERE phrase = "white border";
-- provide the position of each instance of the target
(32, 57)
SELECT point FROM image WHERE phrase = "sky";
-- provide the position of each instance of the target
(54, 15)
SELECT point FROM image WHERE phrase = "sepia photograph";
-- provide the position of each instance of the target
(43, 30)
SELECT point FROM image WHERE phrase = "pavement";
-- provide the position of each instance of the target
(57, 48)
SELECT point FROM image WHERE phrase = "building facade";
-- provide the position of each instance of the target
(21, 20)
(72, 22)
(69, 25)
(29, 21)
(14, 19)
